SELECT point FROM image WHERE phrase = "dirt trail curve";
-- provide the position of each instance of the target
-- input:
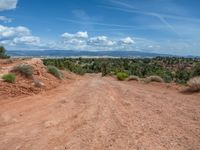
(95, 113)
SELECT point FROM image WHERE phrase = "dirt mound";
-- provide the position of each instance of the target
(24, 85)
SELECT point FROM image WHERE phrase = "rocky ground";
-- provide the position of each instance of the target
(99, 113)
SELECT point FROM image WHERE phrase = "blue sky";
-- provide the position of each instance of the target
(163, 26)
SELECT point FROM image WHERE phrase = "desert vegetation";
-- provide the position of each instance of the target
(23, 69)
(132, 77)
(55, 71)
(3, 54)
(122, 76)
(9, 77)
(193, 84)
(153, 79)
(169, 69)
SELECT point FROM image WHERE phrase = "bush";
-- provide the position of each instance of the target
(132, 77)
(194, 84)
(24, 69)
(122, 76)
(3, 53)
(154, 79)
(78, 70)
(55, 71)
(9, 78)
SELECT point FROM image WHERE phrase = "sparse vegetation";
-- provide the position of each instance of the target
(3, 54)
(24, 69)
(154, 79)
(122, 76)
(170, 69)
(55, 71)
(9, 78)
(132, 77)
(194, 84)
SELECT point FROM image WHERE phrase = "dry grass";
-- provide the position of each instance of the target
(193, 85)
(132, 77)
(24, 69)
(154, 79)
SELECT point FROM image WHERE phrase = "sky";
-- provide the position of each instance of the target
(160, 26)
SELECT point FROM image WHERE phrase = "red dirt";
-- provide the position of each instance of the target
(25, 86)
(98, 113)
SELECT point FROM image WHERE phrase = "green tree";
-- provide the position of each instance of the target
(196, 70)
(3, 53)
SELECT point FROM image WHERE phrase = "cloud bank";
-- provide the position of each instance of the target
(8, 4)
(5, 19)
(15, 36)
(81, 40)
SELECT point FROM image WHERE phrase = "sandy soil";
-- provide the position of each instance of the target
(95, 113)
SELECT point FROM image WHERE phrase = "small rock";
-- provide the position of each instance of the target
(51, 123)
(38, 83)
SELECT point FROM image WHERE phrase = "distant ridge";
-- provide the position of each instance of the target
(73, 53)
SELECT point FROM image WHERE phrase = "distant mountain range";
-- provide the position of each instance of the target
(72, 53)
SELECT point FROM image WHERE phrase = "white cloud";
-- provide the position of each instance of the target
(5, 19)
(15, 36)
(11, 32)
(81, 40)
(100, 41)
(8, 4)
(76, 35)
(28, 40)
(127, 40)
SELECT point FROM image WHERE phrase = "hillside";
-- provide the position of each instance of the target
(94, 112)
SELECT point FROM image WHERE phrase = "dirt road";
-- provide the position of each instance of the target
(95, 113)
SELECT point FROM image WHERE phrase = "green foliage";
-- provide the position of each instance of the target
(196, 70)
(9, 78)
(3, 53)
(55, 71)
(122, 76)
(24, 69)
(78, 70)
(170, 69)
(104, 69)
(182, 76)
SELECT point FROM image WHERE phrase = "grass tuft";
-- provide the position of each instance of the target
(55, 71)
(24, 69)
(154, 79)
(122, 76)
(194, 84)
(10, 78)
(132, 77)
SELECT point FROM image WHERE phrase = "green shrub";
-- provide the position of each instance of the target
(24, 69)
(194, 84)
(9, 78)
(122, 76)
(196, 69)
(154, 79)
(55, 71)
(132, 77)
(182, 76)
(104, 69)
(3, 53)
(78, 70)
